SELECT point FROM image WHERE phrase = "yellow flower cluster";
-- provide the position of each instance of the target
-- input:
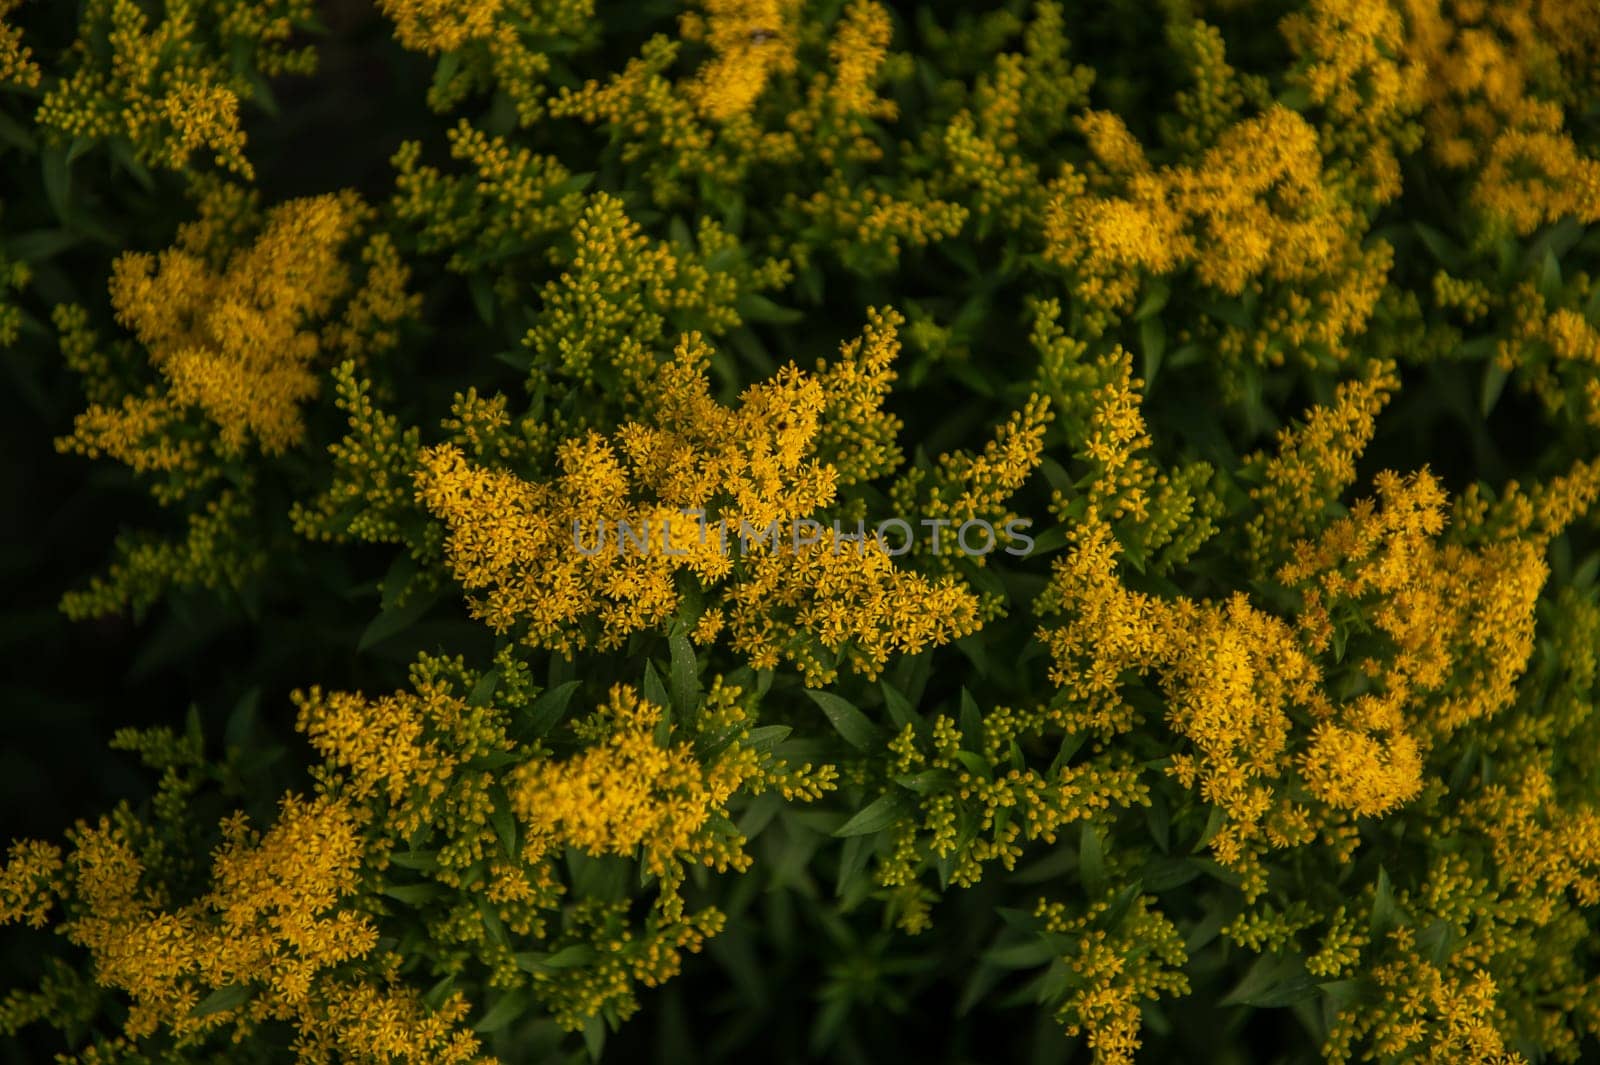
(440, 25)
(1294, 684)
(502, 46)
(709, 129)
(1426, 1013)
(28, 882)
(988, 152)
(642, 99)
(14, 276)
(515, 199)
(235, 342)
(1460, 621)
(375, 1022)
(208, 555)
(400, 748)
(1498, 75)
(1117, 970)
(704, 490)
(1254, 205)
(1161, 516)
(629, 794)
(263, 944)
(971, 811)
(173, 88)
(371, 492)
(1314, 464)
(857, 51)
(855, 434)
(1356, 64)
(16, 59)
(618, 291)
(752, 41)
(639, 786)
(964, 487)
(1456, 629)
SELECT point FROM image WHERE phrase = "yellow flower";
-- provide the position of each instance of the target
(28, 882)
(751, 42)
(16, 59)
(236, 343)
(440, 25)
(595, 553)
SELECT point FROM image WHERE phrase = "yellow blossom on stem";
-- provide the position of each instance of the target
(16, 59)
(752, 41)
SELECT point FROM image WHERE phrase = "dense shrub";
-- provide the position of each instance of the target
(849, 531)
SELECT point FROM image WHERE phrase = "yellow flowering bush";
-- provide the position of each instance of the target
(1048, 531)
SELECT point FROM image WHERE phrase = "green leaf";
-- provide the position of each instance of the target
(16, 134)
(507, 1009)
(1091, 860)
(1153, 345)
(492, 923)
(899, 707)
(519, 360)
(1166, 873)
(576, 183)
(1550, 277)
(1436, 940)
(852, 861)
(875, 816)
(1444, 250)
(549, 707)
(421, 861)
(445, 71)
(1060, 862)
(568, 957)
(37, 245)
(505, 825)
(242, 721)
(1113, 916)
(1273, 982)
(1295, 97)
(971, 718)
(754, 307)
(685, 678)
(652, 688)
(1155, 298)
(979, 984)
(1384, 915)
(1214, 822)
(1494, 382)
(928, 781)
(679, 233)
(1071, 744)
(436, 995)
(483, 692)
(766, 737)
(1158, 818)
(975, 649)
(481, 289)
(393, 621)
(55, 164)
(223, 999)
(1023, 955)
(1230, 311)
(414, 894)
(594, 1037)
(975, 764)
(856, 728)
